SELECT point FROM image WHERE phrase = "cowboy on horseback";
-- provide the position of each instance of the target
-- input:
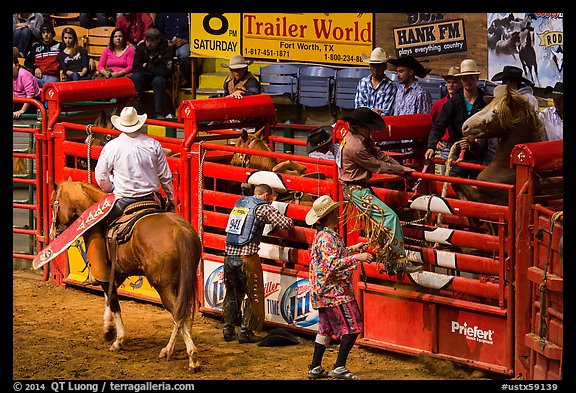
(133, 167)
(359, 158)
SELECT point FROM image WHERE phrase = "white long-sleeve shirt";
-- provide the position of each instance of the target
(133, 166)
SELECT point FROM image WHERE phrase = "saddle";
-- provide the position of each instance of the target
(120, 230)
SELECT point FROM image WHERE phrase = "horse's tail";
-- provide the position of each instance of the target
(190, 251)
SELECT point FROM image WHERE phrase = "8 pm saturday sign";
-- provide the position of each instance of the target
(339, 38)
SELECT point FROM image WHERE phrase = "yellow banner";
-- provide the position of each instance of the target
(337, 38)
(215, 35)
(320, 38)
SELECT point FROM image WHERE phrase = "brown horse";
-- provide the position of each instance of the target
(511, 118)
(164, 247)
(258, 141)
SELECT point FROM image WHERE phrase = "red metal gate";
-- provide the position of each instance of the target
(463, 308)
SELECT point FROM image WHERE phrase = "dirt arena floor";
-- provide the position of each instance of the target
(57, 336)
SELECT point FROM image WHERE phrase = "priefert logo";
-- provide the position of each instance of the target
(473, 333)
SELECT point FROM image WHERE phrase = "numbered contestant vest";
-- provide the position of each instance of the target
(243, 225)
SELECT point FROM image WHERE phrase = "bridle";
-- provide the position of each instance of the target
(55, 228)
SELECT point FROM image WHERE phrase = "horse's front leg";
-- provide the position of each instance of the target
(112, 311)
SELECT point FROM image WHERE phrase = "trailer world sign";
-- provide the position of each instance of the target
(430, 39)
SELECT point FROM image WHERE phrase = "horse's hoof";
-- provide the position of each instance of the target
(115, 347)
(195, 369)
(164, 353)
(110, 335)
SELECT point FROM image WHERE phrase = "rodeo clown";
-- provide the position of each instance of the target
(359, 158)
(242, 267)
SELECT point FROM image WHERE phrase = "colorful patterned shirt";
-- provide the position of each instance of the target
(269, 215)
(331, 270)
(415, 100)
(381, 97)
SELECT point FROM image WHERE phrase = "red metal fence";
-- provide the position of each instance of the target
(479, 300)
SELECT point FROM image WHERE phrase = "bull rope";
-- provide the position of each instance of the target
(201, 157)
(89, 145)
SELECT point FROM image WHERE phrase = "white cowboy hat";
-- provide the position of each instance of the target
(129, 120)
(378, 56)
(321, 207)
(468, 67)
(237, 61)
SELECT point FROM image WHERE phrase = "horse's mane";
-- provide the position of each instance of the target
(514, 111)
(95, 193)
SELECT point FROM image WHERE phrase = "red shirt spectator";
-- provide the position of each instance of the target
(134, 25)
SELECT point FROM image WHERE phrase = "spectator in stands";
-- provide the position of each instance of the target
(331, 277)
(42, 59)
(463, 104)
(319, 143)
(411, 98)
(26, 30)
(552, 117)
(24, 85)
(176, 29)
(376, 91)
(512, 76)
(134, 26)
(73, 59)
(240, 81)
(102, 19)
(117, 58)
(452, 85)
(153, 65)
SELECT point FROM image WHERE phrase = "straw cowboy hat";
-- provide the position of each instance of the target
(554, 92)
(378, 56)
(320, 208)
(410, 62)
(451, 72)
(498, 91)
(511, 73)
(318, 137)
(468, 67)
(366, 117)
(236, 62)
(129, 120)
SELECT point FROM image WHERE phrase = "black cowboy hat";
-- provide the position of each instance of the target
(410, 62)
(278, 337)
(511, 73)
(554, 92)
(366, 117)
(318, 137)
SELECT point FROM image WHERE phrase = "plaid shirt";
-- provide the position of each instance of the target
(415, 100)
(268, 215)
(381, 97)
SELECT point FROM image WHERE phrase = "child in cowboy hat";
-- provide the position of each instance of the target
(240, 81)
(319, 143)
(332, 266)
(376, 91)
